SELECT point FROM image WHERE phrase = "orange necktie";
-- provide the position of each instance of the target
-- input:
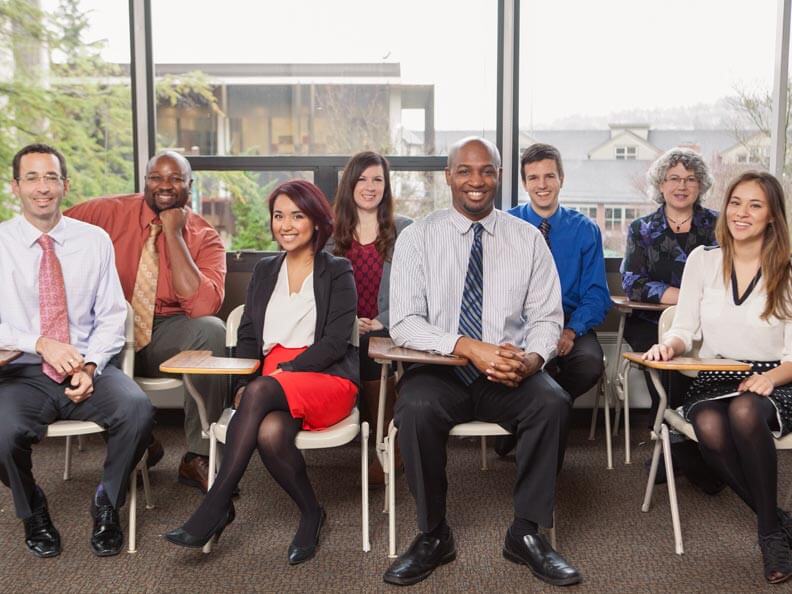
(145, 293)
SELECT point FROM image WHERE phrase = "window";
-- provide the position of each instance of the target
(589, 211)
(613, 219)
(624, 153)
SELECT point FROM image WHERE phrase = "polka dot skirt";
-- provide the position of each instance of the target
(712, 385)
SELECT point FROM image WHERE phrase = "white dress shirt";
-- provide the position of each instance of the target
(706, 311)
(95, 302)
(290, 319)
(522, 293)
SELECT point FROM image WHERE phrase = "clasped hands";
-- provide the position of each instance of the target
(758, 383)
(66, 359)
(504, 364)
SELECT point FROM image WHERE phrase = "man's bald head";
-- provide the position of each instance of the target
(491, 149)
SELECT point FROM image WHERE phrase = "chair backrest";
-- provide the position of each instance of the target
(664, 325)
(235, 317)
(128, 352)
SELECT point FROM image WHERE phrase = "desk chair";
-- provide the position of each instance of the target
(69, 429)
(668, 417)
(339, 434)
(383, 351)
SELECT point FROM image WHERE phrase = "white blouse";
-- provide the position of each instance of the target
(706, 311)
(290, 320)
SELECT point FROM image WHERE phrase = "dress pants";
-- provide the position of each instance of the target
(432, 399)
(172, 335)
(579, 370)
(29, 401)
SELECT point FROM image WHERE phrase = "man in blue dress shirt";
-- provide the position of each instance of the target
(576, 244)
(62, 306)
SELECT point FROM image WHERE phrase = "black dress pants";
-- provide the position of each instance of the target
(432, 399)
(579, 370)
(29, 401)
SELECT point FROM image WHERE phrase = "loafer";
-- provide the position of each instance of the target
(544, 562)
(299, 555)
(504, 444)
(41, 537)
(426, 553)
(155, 453)
(107, 538)
(194, 472)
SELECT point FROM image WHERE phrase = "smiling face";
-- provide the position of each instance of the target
(168, 183)
(680, 188)
(473, 178)
(40, 189)
(291, 228)
(747, 212)
(543, 184)
(369, 188)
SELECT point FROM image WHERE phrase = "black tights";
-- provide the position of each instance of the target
(263, 421)
(735, 439)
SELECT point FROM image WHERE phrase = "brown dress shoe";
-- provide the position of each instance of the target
(194, 471)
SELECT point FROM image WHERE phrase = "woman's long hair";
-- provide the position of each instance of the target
(776, 270)
(346, 214)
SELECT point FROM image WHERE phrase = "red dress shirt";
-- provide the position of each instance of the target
(126, 219)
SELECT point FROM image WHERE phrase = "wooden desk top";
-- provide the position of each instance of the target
(7, 356)
(624, 305)
(690, 364)
(383, 349)
(204, 363)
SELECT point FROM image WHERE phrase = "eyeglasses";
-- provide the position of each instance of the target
(157, 179)
(51, 179)
(675, 180)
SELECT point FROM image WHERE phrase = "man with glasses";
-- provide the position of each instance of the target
(62, 306)
(172, 266)
(576, 244)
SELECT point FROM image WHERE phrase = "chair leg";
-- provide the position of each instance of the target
(608, 433)
(672, 494)
(553, 540)
(67, 462)
(207, 548)
(627, 452)
(595, 412)
(484, 453)
(80, 443)
(617, 417)
(132, 541)
(652, 474)
(146, 487)
(392, 492)
(364, 438)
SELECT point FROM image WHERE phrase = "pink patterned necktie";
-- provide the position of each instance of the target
(52, 302)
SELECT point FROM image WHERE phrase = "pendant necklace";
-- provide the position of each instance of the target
(680, 223)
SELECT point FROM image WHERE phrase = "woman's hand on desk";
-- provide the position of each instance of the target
(366, 325)
(758, 383)
(659, 352)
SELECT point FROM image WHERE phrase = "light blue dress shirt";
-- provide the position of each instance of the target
(95, 302)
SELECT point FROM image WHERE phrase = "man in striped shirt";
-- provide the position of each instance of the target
(476, 282)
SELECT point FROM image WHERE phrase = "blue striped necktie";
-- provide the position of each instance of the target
(472, 300)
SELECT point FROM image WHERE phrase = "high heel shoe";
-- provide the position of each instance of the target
(299, 555)
(181, 537)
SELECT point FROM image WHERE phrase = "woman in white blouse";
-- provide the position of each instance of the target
(299, 314)
(736, 299)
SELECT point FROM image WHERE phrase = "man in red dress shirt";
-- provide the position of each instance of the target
(172, 267)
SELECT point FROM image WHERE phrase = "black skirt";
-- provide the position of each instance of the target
(715, 385)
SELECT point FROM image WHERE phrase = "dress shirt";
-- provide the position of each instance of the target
(126, 219)
(95, 302)
(290, 319)
(522, 304)
(576, 245)
(706, 311)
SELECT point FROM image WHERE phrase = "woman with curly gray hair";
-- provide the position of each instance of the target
(658, 245)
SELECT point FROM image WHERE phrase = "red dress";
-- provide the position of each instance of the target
(319, 399)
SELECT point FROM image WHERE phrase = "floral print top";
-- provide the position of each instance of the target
(655, 258)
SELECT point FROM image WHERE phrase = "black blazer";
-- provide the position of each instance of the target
(336, 309)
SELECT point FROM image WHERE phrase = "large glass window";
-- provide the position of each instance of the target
(62, 84)
(259, 79)
(684, 82)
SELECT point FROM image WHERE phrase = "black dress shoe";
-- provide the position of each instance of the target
(181, 537)
(155, 453)
(299, 555)
(107, 538)
(426, 553)
(504, 444)
(544, 562)
(41, 537)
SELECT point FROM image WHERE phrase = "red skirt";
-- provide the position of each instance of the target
(319, 399)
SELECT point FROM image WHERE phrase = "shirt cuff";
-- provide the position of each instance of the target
(27, 343)
(447, 343)
(97, 359)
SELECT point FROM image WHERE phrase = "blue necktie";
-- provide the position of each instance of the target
(472, 300)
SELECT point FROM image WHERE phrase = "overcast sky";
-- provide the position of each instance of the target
(578, 57)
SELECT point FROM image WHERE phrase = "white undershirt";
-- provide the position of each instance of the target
(290, 320)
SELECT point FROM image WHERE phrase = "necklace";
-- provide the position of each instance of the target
(679, 223)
